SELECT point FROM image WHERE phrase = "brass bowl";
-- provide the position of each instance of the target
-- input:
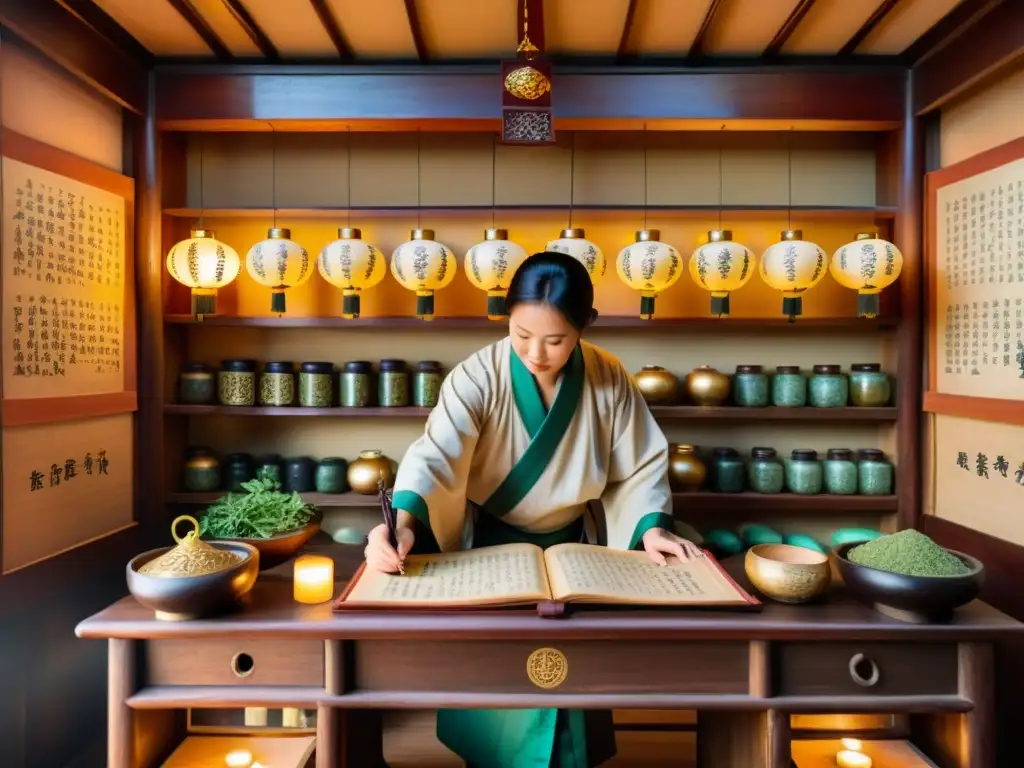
(786, 573)
(180, 598)
(285, 545)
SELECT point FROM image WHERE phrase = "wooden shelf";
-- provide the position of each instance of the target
(408, 412)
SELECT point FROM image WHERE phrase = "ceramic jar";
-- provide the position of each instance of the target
(657, 386)
(298, 475)
(236, 382)
(393, 384)
(765, 472)
(840, 471)
(316, 385)
(277, 384)
(789, 387)
(426, 383)
(270, 466)
(356, 384)
(874, 473)
(202, 471)
(750, 386)
(707, 386)
(365, 472)
(804, 474)
(238, 469)
(869, 386)
(827, 387)
(686, 471)
(331, 475)
(728, 473)
(197, 385)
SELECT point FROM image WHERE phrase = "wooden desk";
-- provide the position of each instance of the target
(745, 673)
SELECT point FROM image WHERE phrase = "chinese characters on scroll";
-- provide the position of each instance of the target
(68, 470)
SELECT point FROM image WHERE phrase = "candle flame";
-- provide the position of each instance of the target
(238, 758)
(852, 744)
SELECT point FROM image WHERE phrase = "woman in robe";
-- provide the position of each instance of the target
(525, 433)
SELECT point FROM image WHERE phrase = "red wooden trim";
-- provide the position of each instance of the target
(979, 408)
(129, 326)
(47, 410)
(979, 163)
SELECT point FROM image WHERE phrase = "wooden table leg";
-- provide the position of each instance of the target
(120, 685)
(977, 727)
(743, 740)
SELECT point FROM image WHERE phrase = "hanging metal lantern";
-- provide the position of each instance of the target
(868, 265)
(205, 265)
(424, 266)
(490, 266)
(573, 242)
(650, 267)
(352, 265)
(279, 263)
(793, 266)
(721, 266)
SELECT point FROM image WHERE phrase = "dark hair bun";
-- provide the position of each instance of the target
(558, 280)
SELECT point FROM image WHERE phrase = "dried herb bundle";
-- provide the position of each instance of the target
(263, 511)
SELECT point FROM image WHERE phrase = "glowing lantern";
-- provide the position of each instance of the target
(793, 266)
(721, 266)
(424, 266)
(867, 265)
(278, 263)
(351, 265)
(650, 267)
(490, 266)
(204, 264)
(573, 242)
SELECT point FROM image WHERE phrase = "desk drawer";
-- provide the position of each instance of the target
(234, 662)
(525, 666)
(866, 669)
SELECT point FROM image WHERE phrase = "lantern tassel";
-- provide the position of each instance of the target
(350, 304)
(204, 302)
(868, 304)
(720, 305)
(277, 301)
(496, 309)
(425, 305)
(646, 307)
(792, 306)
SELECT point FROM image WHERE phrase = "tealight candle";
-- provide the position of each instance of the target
(313, 581)
(850, 759)
(238, 758)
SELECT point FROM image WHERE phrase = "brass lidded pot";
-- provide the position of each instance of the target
(707, 386)
(191, 557)
(657, 386)
(368, 470)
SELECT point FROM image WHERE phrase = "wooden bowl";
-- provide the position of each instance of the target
(284, 546)
(786, 573)
(918, 599)
(180, 598)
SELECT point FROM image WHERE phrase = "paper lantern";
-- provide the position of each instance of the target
(352, 265)
(424, 266)
(204, 264)
(650, 267)
(279, 263)
(490, 266)
(721, 266)
(793, 266)
(867, 265)
(573, 242)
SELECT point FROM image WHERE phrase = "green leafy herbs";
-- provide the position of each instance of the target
(263, 511)
(908, 552)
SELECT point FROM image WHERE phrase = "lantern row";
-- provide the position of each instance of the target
(422, 265)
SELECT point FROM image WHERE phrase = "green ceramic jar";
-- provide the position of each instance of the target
(727, 471)
(393, 384)
(765, 472)
(869, 386)
(316, 385)
(789, 387)
(356, 384)
(299, 473)
(236, 382)
(804, 475)
(828, 387)
(840, 472)
(874, 473)
(202, 470)
(238, 469)
(277, 384)
(426, 383)
(750, 386)
(331, 475)
(270, 466)
(197, 385)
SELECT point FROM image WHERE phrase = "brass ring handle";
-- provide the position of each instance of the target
(865, 682)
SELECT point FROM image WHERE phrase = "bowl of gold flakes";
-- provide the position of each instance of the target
(909, 577)
(194, 578)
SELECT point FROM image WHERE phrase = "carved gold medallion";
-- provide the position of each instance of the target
(547, 668)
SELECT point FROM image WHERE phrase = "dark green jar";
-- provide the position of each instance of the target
(269, 466)
(356, 384)
(840, 472)
(202, 470)
(828, 387)
(238, 469)
(393, 384)
(277, 384)
(765, 472)
(750, 386)
(789, 387)
(316, 385)
(874, 473)
(236, 382)
(298, 474)
(426, 383)
(331, 475)
(869, 386)
(197, 385)
(728, 473)
(804, 475)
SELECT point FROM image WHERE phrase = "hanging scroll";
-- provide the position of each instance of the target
(976, 287)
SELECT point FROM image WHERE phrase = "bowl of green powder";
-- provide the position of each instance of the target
(908, 576)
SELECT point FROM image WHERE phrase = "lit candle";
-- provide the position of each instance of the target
(854, 745)
(238, 758)
(314, 579)
(850, 759)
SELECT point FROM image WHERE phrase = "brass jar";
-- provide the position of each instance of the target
(365, 472)
(686, 471)
(707, 386)
(658, 386)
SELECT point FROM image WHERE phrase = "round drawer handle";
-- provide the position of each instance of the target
(858, 678)
(242, 665)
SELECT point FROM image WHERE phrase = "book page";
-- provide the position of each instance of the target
(507, 574)
(592, 573)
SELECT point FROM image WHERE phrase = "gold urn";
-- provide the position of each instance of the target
(658, 386)
(368, 470)
(707, 386)
(686, 471)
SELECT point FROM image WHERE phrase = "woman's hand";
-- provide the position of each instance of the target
(381, 556)
(658, 543)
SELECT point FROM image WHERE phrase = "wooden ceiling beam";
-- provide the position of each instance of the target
(774, 48)
(332, 28)
(248, 24)
(106, 25)
(961, 17)
(417, 31)
(701, 40)
(195, 19)
(867, 27)
(627, 29)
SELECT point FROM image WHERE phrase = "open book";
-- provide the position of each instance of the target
(524, 574)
